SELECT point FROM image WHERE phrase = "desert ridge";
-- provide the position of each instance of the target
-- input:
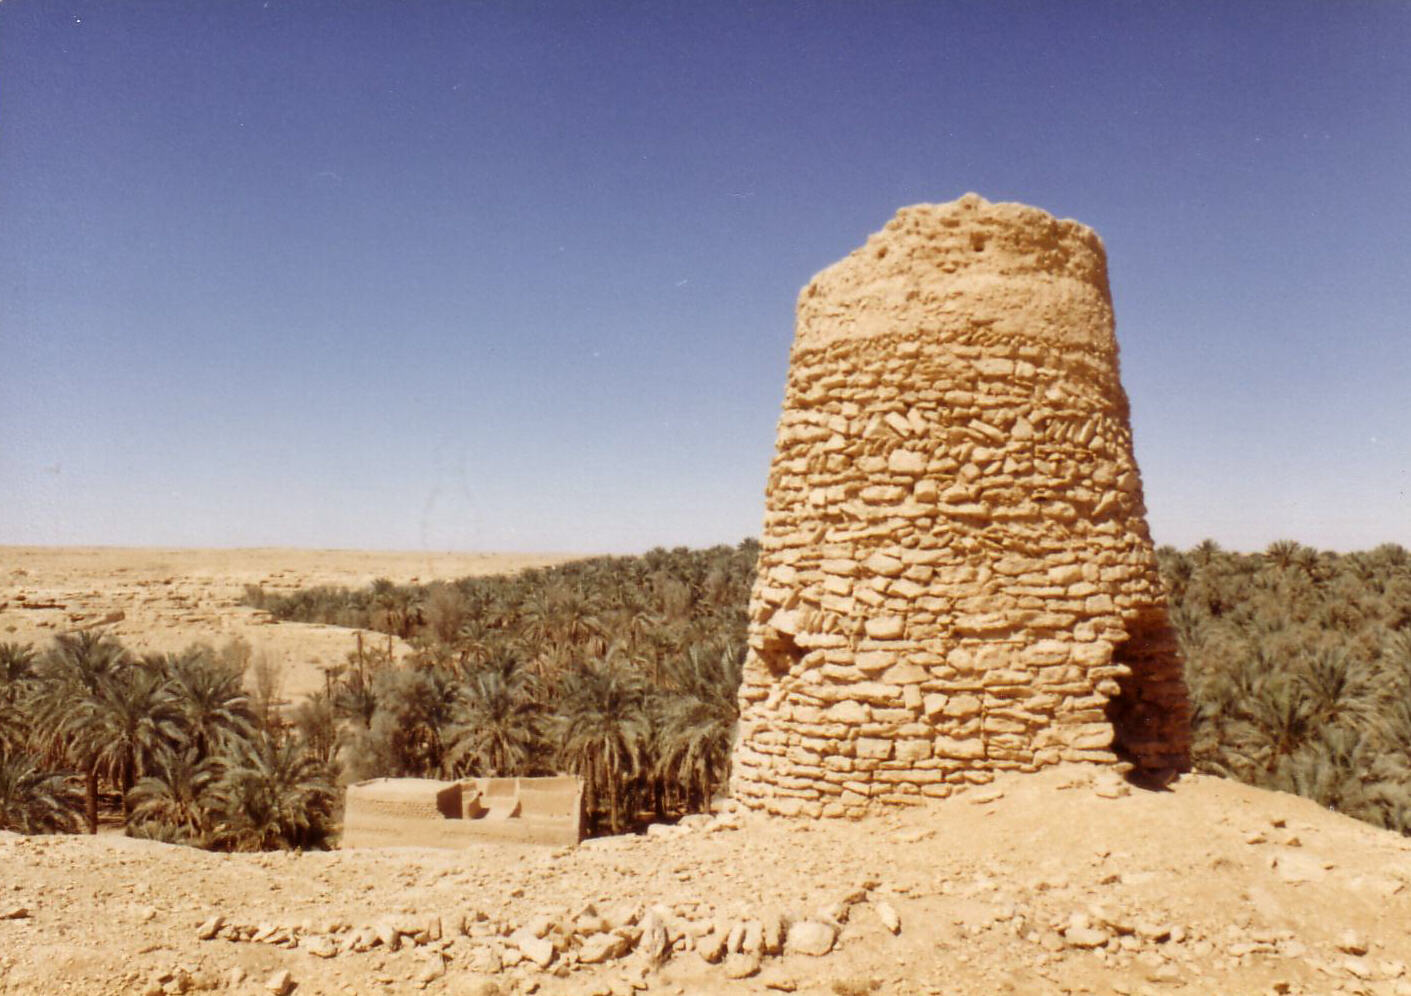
(165, 599)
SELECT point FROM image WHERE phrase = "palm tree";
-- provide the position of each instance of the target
(604, 733)
(695, 722)
(172, 803)
(210, 697)
(16, 665)
(316, 719)
(496, 730)
(272, 793)
(71, 673)
(1340, 687)
(33, 800)
(1283, 554)
(123, 724)
(17, 682)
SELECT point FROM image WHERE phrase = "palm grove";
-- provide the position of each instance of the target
(624, 671)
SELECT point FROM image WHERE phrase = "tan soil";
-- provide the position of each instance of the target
(173, 598)
(1257, 890)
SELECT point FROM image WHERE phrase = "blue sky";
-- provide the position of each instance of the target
(521, 276)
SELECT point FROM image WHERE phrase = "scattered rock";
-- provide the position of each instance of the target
(1351, 942)
(711, 947)
(742, 965)
(388, 936)
(887, 913)
(280, 983)
(810, 937)
(485, 960)
(1080, 933)
(1110, 785)
(772, 930)
(321, 947)
(434, 969)
(654, 944)
(1085, 937)
(536, 949)
(1357, 968)
(15, 913)
(210, 928)
(599, 948)
(478, 987)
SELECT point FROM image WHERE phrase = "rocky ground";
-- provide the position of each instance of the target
(165, 600)
(1062, 882)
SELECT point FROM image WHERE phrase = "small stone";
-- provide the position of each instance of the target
(741, 965)
(480, 987)
(1357, 968)
(1110, 785)
(485, 961)
(1351, 942)
(210, 928)
(15, 913)
(885, 627)
(598, 948)
(1167, 973)
(280, 983)
(654, 944)
(711, 947)
(388, 935)
(773, 932)
(889, 916)
(1149, 931)
(321, 947)
(536, 949)
(810, 937)
(1085, 937)
(753, 940)
(433, 969)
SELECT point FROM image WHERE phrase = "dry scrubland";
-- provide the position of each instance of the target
(170, 599)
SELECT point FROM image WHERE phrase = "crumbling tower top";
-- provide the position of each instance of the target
(937, 270)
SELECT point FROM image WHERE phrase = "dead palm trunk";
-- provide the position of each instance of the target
(90, 807)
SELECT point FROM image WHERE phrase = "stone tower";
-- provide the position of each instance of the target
(956, 576)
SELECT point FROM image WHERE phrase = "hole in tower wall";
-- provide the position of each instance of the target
(1143, 723)
(780, 652)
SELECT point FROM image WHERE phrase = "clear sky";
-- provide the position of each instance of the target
(521, 276)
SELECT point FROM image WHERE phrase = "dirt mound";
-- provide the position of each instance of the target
(1062, 881)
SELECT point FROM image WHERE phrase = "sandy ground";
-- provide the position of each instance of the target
(170, 599)
(1039, 884)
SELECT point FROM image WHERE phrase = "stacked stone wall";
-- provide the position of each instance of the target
(956, 576)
